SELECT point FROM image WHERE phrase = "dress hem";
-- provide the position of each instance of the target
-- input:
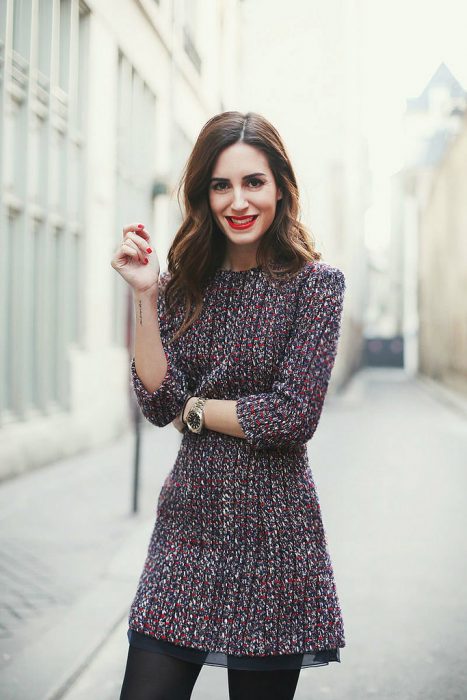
(321, 657)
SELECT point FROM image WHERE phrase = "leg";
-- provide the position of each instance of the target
(153, 676)
(262, 685)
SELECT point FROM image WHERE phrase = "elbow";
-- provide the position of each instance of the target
(153, 418)
(160, 413)
(162, 406)
(153, 413)
(290, 432)
(287, 426)
(161, 409)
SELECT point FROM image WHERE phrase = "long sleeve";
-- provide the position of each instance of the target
(162, 406)
(289, 414)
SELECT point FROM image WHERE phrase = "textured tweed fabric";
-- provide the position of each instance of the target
(237, 565)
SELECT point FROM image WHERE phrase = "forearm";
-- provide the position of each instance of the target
(150, 359)
(219, 415)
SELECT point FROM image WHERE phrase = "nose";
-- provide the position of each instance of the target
(239, 202)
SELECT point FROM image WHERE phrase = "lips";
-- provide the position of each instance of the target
(241, 223)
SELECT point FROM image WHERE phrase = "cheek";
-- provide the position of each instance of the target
(267, 202)
(216, 204)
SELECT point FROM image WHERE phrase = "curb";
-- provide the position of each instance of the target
(49, 666)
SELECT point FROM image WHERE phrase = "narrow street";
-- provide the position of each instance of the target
(389, 461)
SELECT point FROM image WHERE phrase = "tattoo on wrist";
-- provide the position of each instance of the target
(140, 304)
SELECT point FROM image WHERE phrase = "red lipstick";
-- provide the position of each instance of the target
(241, 223)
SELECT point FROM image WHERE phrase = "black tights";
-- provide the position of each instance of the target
(153, 676)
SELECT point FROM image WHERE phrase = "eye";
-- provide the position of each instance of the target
(255, 182)
(220, 186)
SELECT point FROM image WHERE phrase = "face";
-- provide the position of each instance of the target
(243, 195)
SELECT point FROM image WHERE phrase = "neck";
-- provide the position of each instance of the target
(237, 264)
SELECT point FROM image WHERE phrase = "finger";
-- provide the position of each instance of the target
(133, 251)
(129, 250)
(140, 242)
(137, 246)
(136, 228)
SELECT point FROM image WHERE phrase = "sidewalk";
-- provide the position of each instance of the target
(71, 554)
(453, 399)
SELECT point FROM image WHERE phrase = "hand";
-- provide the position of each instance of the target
(129, 259)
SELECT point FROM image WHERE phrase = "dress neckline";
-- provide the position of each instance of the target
(225, 271)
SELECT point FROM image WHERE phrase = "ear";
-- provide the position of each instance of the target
(279, 194)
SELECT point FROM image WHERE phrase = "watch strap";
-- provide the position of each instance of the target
(184, 406)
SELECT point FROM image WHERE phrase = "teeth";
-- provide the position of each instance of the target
(241, 221)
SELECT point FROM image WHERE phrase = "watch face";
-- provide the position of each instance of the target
(194, 420)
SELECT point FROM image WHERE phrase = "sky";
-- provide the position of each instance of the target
(407, 40)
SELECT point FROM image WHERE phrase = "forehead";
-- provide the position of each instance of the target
(240, 159)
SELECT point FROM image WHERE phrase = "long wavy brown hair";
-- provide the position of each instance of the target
(199, 246)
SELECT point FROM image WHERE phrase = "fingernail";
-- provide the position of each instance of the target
(146, 261)
(140, 225)
(149, 250)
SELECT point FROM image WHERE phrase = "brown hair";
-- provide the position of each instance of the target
(199, 246)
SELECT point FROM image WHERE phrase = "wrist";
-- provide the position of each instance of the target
(150, 293)
(195, 405)
(186, 408)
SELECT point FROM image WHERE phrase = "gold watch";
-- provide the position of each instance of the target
(195, 417)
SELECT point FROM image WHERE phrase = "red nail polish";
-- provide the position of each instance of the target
(149, 250)
(140, 225)
(146, 261)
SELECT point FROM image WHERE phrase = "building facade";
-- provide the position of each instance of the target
(442, 283)
(100, 104)
(427, 218)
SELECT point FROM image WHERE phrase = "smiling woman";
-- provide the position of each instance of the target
(237, 572)
(239, 168)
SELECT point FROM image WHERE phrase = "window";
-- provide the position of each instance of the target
(136, 119)
(41, 210)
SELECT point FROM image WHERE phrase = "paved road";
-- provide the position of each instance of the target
(390, 464)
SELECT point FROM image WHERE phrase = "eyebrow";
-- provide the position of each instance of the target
(246, 177)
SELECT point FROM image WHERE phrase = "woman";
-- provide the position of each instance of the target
(239, 356)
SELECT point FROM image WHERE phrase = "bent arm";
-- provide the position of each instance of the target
(160, 387)
(289, 414)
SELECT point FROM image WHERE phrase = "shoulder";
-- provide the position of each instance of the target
(164, 277)
(321, 278)
(161, 297)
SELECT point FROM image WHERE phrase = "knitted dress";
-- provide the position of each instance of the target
(237, 572)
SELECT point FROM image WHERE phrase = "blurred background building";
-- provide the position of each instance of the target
(427, 275)
(100, 105)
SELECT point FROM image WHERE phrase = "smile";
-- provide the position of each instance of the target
(240, 223)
